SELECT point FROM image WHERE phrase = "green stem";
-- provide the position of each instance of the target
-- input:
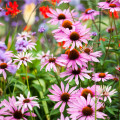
(95, 25)
(27, 80)
(31, 114)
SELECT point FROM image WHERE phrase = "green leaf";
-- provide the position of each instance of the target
(7, 38)
(110, 110)
(102, 46)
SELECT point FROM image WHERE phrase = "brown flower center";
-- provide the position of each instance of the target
(23, 58)
(18, 114)
(73, 54)
(87, 111)
(116, 79)
(87, 10)
(110, 30)
(26, 100)
(105, 93)
(108, 1)
(112, 5)
(52, 60)
(85, 92)
(101, 109)
(61, 17)
(76, 72)
(65, 97)
(3, 65)
(102, 75)
(87, 50)
(67, 24)
(74, 36)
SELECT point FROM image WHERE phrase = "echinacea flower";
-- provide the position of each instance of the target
(26, 102)
(74, 37)
(61, 96)
(58, 16)
(115, 78)
(92, 55)
(84, 109)
(74, 59)
(5, 55)
(110, 30)
(80, 73)
(23, 36)
(51, 63)
(43, 56)
(23, 58)
(7, 66)
(118, 68)
(63, 118)
(86, 91)
(12, 112)
(106, 92)
(3, 47)
(89, 14)
(113, 7)
(105, 4)
(102, 76)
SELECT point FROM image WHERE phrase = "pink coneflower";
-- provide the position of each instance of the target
(103, 5)
(43, 56)
(89, 14)
(26, 102)
(23, 58)
(115, 78)
(118, 68)
(7, 66)
(110, 30)
(59, 15)
(84, 109)
(74, 37)
(51, 63)
(74, 58)
(67, 24)
(63, 118)
(80, 73)
(23, 36)
(92, 55)
(102, 76)
(64, 1)
(11, 112)
(114, 7)
(61, 96)
(85, 91)
(104, 91)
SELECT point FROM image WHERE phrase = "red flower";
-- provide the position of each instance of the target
(115, 13)
(44, 10)
(13, 9)
(56, 1)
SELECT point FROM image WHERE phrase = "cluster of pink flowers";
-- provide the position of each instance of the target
(80, 103)
(17, 110)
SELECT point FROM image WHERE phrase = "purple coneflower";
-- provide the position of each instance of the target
(61, 96)
(80, 73)
(26, 102)
(23, 58)
(84, 109)
(102, 76)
